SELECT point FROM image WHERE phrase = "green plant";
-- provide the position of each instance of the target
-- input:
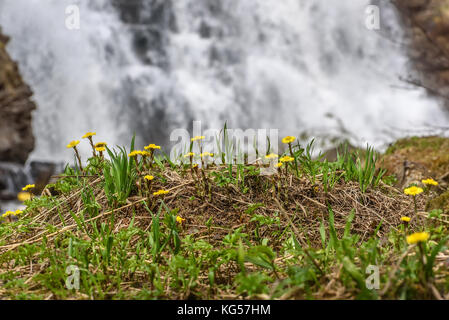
(120, 175)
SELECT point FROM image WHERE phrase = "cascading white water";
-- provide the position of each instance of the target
(297, 65)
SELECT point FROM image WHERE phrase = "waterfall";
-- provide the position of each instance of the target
(150, 66)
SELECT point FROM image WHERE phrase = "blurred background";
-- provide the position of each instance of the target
(310, 68)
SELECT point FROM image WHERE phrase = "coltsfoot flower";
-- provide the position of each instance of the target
(413, 191)
(405, 219)
(430, 182)
(100, 149)
(286, 159)
(73, 144)
(279, 164)
(100, 144)
(148, 177)
(89, 134)
(152, 146)
(160, 192)
(8, 213)
(134, 153)
(28, 187)
(271, 156)
(190, 154)
(418, 237)
(180, 220)
(206, 154)
(198, 138)
(288, 139)
(23, 196)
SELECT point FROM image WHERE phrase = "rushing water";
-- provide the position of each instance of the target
(149, 66)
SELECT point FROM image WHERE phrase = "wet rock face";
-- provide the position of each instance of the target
(427, 23)
(16, 136)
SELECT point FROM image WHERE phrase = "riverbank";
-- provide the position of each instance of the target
(164, 231)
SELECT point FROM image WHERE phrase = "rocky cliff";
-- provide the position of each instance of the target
(427, 22)
(16, 106)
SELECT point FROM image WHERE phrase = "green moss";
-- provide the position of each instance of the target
(432, 142)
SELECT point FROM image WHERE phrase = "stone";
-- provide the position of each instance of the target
(16, 106)
(427, 27)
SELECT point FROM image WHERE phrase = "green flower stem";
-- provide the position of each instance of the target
(293, 156)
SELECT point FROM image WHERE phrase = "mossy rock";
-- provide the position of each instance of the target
(440, 202)
(430, 153)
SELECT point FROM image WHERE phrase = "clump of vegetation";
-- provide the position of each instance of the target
(137, 225)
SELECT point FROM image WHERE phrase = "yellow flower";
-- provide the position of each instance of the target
(18, 212)
(134, 153)
(188, 155)
(152, 146)
(23, 196)
(73, 144)
(271, 156)
(288, 139)
(144, 153)
(206, 154)
(405, 219)
(279, 164)
(28, 187)
(8, 213)
(100, 144)
(180, 220)
(88, 135)
(198, 138)
(413, 191)
(148, 177)
(430, 182)
(100, 149)
(195, 165)
(418, 237)
(286, 159)
(160, 192)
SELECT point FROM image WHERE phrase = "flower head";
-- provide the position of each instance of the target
(134, 153)
(180, 220)
(271, 156)
(279, 164)
(430, 182)
(100, 149)
(405, 219)
(160, 192)
(206, 154)
(8, 213)
(88, 135)
(148, 177)
(198, 138)
(288, 139)
(100, 144)
(28, 187)
(413, 191)
(190, 154)
(418, 237)
(286, 159)
(152, 146)
(23, 196)
(73, 144)
(18, 212)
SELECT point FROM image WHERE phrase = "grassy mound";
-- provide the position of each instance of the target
(140, 226)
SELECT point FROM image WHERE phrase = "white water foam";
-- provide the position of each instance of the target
(297, 65)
